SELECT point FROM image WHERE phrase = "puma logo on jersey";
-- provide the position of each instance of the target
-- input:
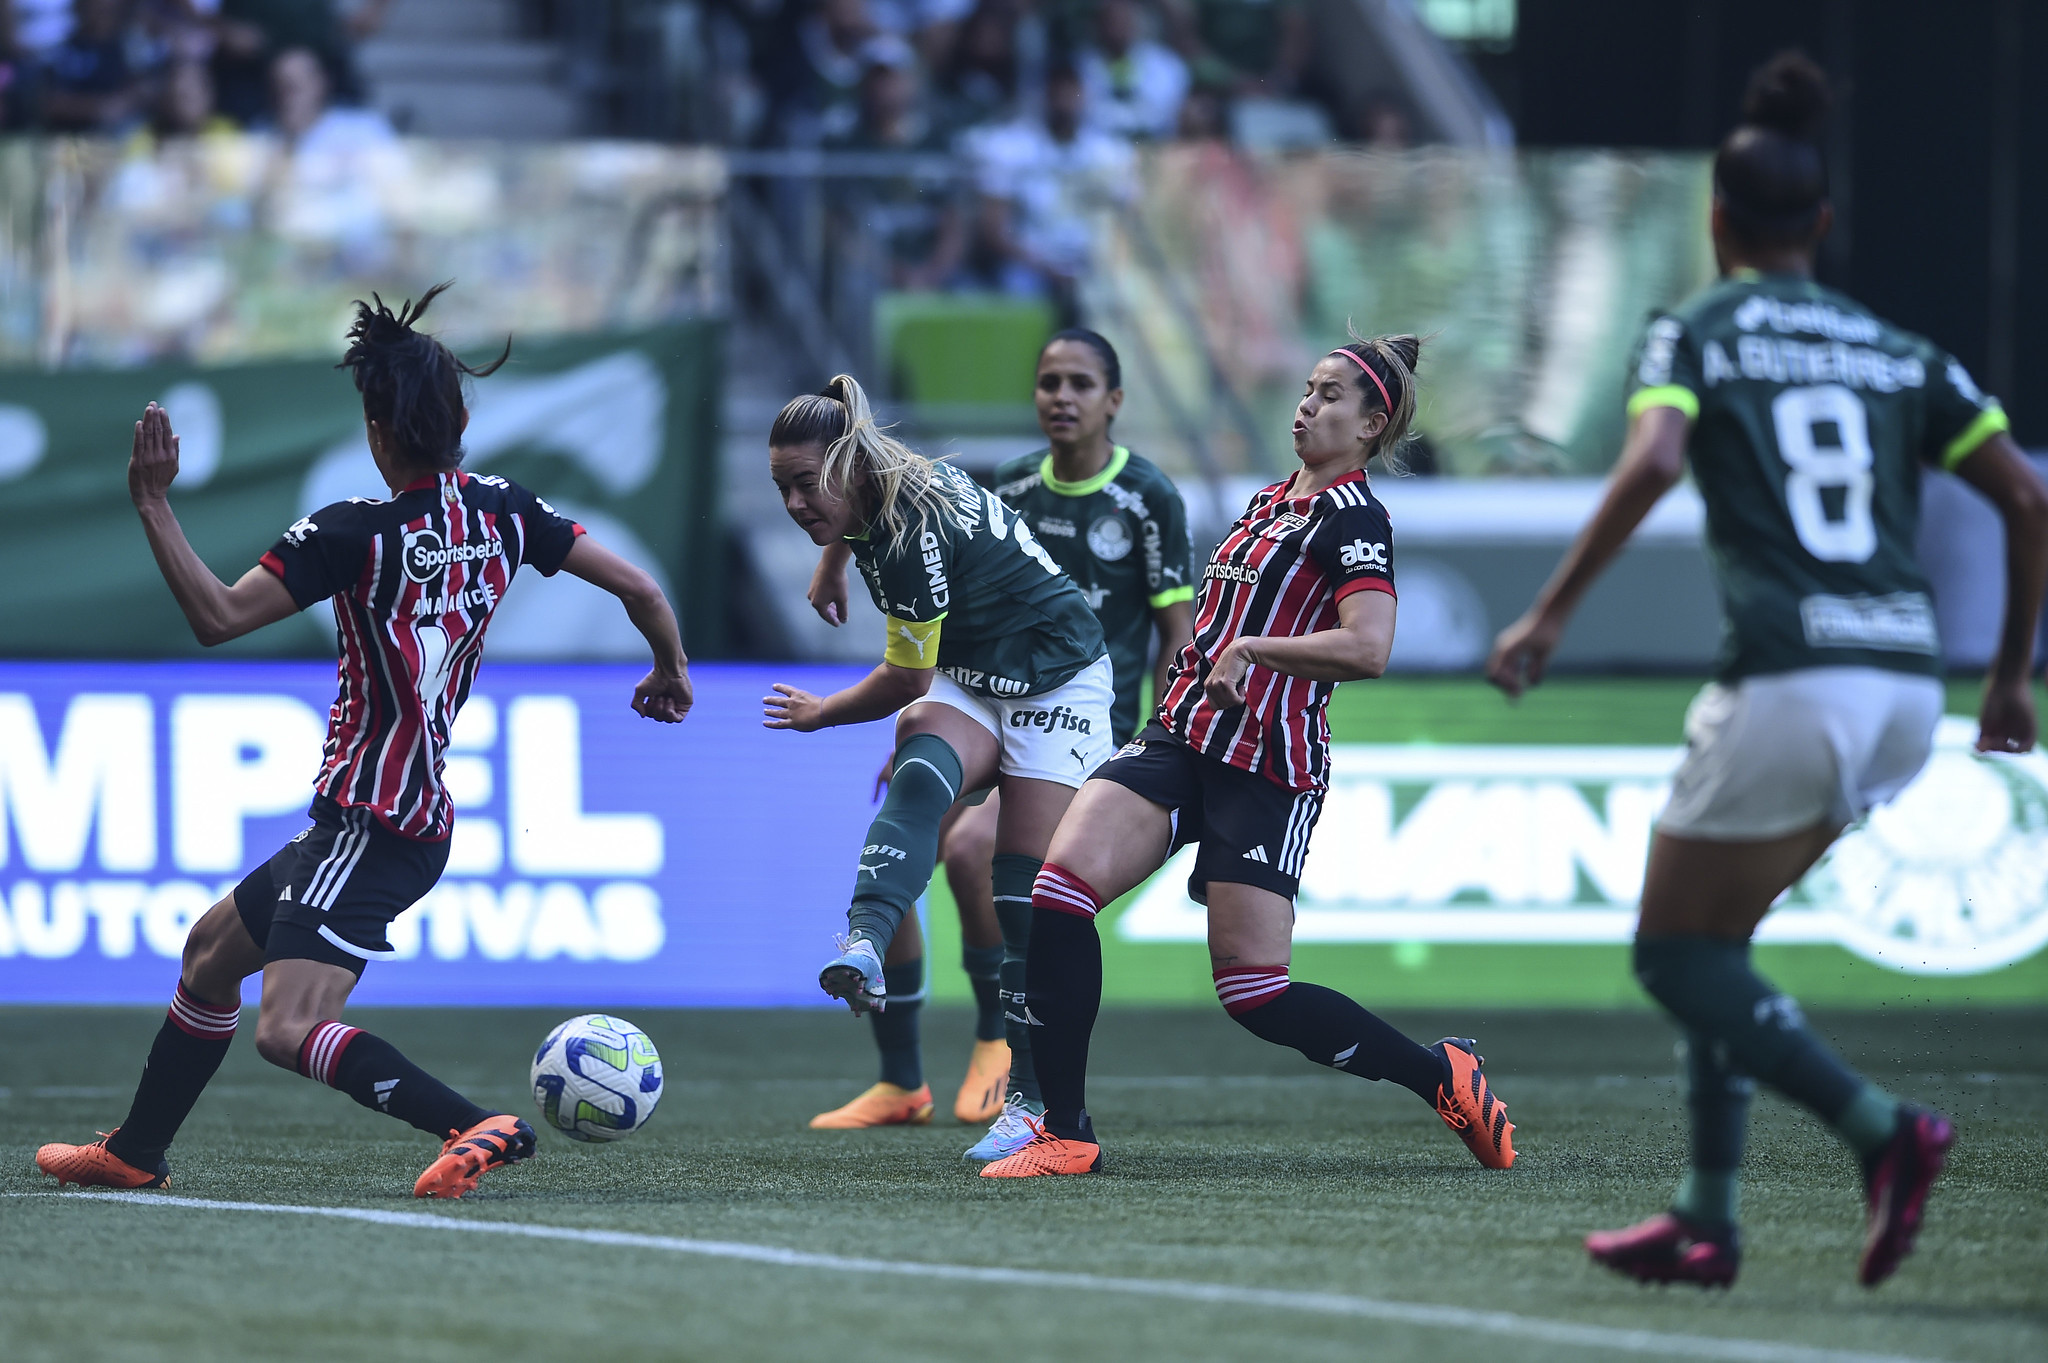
(914, 639)
(1359, 554)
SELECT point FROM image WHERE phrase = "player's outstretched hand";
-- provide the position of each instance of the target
(664, 697)
(827, 593)
(883, 777)
(790, 708)
(1521, 654)
(2005, 722)
(1226, 684)
(153, 462)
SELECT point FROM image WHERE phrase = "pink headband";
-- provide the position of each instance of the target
(1369, 374)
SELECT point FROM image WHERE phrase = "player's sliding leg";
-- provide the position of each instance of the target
(1250, 925)
(304, 991)
(967, 845)
(941, 753)
(194, 1039)
(1701, 902)
(901, 1094)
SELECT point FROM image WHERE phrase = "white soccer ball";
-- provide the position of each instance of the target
(596, 1078)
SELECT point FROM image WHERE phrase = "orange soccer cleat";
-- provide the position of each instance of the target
(1048, 1154)
(95, 1166)
(466, 1156)
(883, 1105)
(1469, 1108)
(987, 1081)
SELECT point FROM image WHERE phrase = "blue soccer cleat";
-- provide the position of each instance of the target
(855, 975)
(1019, 1123)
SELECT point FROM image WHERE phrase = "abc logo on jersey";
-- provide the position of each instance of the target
(426, 556)
(1359, 554)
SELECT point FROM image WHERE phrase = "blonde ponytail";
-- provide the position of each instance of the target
(858, 450)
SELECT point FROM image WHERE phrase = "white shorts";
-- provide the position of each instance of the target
(1768, 756)
(1060, 736)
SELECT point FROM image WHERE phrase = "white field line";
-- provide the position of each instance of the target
(1656, 1343)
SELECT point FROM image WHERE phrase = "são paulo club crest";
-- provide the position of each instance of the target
(1109, 539)
(1953, 875)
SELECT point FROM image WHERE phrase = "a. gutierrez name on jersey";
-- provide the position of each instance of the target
(1812, 419)
(1281, 570)
(414, 581)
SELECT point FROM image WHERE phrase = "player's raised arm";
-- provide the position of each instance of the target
(216, 611)
(665, 693)
(1651, 463)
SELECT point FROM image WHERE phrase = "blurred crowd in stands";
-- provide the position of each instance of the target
(187, 67)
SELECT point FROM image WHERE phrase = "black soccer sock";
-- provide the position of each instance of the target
(1327, 1027)
(188, 1049)
(984, 966)
(1718, 1096)
(896, 1028)
(370, 1070)
(1065, 992)
(903, 841)
(1012, 878)
(1708, 985)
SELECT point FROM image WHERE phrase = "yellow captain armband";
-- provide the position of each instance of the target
(912, 643)
(1991, 421)
(1665, 395)
(1172, 596)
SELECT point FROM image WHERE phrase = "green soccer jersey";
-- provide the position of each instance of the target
(972, 593)
(1811, 419)
(1123, 537)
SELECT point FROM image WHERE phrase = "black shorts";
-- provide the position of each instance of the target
(1252, 831)
(330, 892)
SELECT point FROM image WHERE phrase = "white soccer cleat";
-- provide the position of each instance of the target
(856, 976)
(1019, 1123)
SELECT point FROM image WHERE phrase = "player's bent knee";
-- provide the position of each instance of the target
(218, 954)
(278, 1039)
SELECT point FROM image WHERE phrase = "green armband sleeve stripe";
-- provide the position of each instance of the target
(1172, 596)
(912, 643)
(1989, 422)
(1666, 395)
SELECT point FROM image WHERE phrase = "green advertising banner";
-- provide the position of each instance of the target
(1474, 853)
(618, 431)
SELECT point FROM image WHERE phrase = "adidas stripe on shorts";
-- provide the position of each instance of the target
(1251, 830)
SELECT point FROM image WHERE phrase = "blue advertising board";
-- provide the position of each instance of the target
(599, 859)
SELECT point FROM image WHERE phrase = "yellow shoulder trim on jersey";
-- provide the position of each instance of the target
(1665, 395)
(1118, 457)
(1172, 596)
(912, 643)
(1989, 422)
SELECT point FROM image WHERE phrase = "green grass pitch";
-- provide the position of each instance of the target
(1229, 1162)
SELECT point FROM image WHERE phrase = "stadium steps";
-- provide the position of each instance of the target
(458, 68)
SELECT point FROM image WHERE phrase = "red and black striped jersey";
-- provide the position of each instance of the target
(414, 581)
(1281, 571)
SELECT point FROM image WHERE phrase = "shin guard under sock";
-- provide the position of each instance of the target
(896, 1027)
(1718, 1096)
(984, 967)
(1707, 984)
(370, 1070)
(1065, 992)
(1013, 877)
(188, 1049)
(1326, 1027)
(903, 841)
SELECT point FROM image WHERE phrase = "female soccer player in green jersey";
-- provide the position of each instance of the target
(1806, 421)
(992, 656)
(1118, 527)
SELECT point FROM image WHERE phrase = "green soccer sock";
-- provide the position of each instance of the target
(984, 967)
(896, 1027)
(1718, 1097)
(1013, 880)
(1708, 985)
(903, 841)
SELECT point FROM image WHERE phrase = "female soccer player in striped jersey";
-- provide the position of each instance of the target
(1118, 527)
(992, 657)
(1807, 421)
(1298, 597)
(414, 581)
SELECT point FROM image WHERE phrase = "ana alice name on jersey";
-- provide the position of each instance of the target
(1046, 721)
